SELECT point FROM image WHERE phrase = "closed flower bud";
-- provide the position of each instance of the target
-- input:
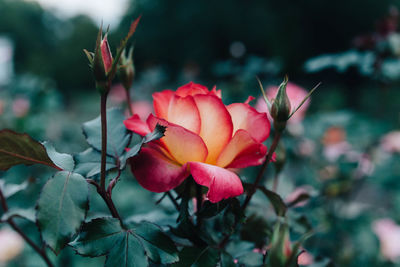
(126, 69)
(280, 109)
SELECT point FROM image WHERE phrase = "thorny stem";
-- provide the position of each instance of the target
(129, 101)
(40, 251)
(101, 189)
(268, 158)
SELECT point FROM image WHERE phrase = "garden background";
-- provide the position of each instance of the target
(341, 151)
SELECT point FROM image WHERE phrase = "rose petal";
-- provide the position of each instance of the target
(135, 124)
(247, 118)
(183, 111)
(191, 89)
(155, 172)
(242, 151)
(216, 92)
(216, 124)
(106, 54)
(221, 182)
(161, 102)
(182, 144)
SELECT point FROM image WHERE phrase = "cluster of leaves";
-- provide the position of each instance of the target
(64, 200)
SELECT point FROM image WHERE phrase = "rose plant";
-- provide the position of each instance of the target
(192, 149)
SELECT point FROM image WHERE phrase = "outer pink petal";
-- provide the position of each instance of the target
(155, 172)
(183, 111)
(191, 89)
(161, 102)
(216, 124)
(242, 151)
(135, 124)
(182, 144)
(247, 118)
(216, 92)
(106, 54)
(221, 182)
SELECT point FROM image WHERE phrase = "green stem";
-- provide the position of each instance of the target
(103, 115)
(102, 188)
(40, 251)
(199, 201)
(129, 101)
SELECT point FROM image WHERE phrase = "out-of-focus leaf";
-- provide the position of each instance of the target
(276, 201)
(11, 189)
(28, 214)
(88, 163)
(226, 260)
(210, 209)
(197, 257)
(62, 160)
(18, 148)
(118, 136)
(62, 208)
(251, 259)
(276, 254)
(105, 236)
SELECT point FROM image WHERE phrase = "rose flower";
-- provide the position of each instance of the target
(204, 138)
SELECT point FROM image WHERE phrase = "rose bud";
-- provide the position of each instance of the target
(101, 62)
(126, 69)
(280, 109)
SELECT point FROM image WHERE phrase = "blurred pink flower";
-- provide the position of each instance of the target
(11, 245)
(21, 106)
(142, 108)
(335, 143)
(391, 142)
(305, 258)
(388, 233)
(295, 93)
(117, 94)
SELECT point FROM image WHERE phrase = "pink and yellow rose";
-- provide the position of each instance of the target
(204, 138)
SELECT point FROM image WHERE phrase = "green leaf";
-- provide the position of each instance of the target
(97, 237)
(62, 208)
(28, 214)
(127, 252)
(300, 198)
(227, 260)
(118, 136)
(88, 163)
(11, 189)
(209, 209)
(158, 132)
(62, 160)
(18, 148)
(197, 257)
(158, 246)
(105, 236)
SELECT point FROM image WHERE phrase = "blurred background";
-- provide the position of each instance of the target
(346, 149)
